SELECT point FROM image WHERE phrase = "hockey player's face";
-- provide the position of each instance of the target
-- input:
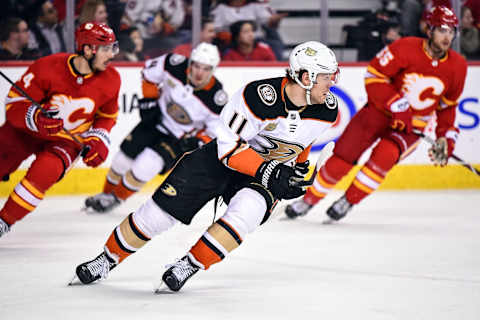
(441, 39)
(321, 87)
(104, 55)
(200, 73)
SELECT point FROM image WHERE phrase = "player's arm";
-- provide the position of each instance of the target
(153, 75)
(381, 92)
(238, 126)
(446, 132)
(20, 111)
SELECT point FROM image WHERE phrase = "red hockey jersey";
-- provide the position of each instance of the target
(430, 85)
(82, 101)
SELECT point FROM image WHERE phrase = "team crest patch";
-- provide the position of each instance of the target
(271, 127)
(169, 190)
(310, 52)
(220, 98)
(176, 59)
(331, 101)
(267, 93)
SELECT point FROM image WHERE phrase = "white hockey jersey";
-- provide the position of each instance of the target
(185, 110)
(261, 116)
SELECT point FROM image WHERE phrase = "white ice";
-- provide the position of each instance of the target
(397, 255)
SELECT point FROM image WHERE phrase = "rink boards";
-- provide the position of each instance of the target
(415, 172)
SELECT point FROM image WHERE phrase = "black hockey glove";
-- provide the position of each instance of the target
(278, 178)
(189, 143)
(148, 108)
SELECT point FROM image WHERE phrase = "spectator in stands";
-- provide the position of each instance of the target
(93, 10)
(410, 18)
(384, 33)
(207, 35)
(266, 19)
(14, 37)
(157, 21)
(47, 34)
(474, 6)
(469, 40)
(244, 46)
(131, 45)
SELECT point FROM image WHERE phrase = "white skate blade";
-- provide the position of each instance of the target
(74, 281)
(162, 288)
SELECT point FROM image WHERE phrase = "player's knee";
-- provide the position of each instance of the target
(385, 154)
(336, 168)
(121, 163)
(46, 170)
(246, 211)
(147, 165)
(152, 220)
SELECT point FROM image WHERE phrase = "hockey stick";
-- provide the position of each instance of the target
(322, 157)
(85, 149)
(460, 160)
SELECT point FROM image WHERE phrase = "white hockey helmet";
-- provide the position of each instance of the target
(315, 58)
(206, 53)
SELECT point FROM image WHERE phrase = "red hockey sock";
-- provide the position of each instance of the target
(328, 176)
(43, 173)
(384, 156)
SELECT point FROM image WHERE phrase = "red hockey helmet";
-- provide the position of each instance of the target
(94, 33)
(442, 16)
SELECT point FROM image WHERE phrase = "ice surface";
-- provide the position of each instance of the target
(398, 255)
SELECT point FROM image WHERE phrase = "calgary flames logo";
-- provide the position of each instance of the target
(73, 111)
(276, 149)
(422, 92)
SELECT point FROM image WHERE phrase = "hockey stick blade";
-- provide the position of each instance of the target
(465, 164)
(326, 152)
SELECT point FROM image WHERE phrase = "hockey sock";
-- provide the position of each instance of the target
(328, 176)
(43, 173)
(113, 179)
(384, 156)
(129, 185)
(125, 239)
(220, 239)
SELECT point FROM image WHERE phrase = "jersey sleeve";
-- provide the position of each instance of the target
(213, 120)
(446, 112)
(35, 85)
(107, 114)
(382, 68)
(238, 126)
(154, 70)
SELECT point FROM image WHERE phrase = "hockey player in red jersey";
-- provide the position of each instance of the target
(78, 93)
(259, 156)
(184, 116)
(407, 83)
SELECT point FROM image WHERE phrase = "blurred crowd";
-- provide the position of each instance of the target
(243, 30)
(403, 18)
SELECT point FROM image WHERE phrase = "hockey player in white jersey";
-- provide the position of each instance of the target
(178, 120)
(258, 157)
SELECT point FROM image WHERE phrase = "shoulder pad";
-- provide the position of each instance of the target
(331, 101)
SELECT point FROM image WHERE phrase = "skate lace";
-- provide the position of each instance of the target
(182, 269)
(342, 205)
(300, 206)
(99, 267)
(3, 227)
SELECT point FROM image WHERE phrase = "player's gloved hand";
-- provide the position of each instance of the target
(278, 178)
(401, 115)
(148, 108)
(97, 142)
(43, 121)
(301, 169)
(189, 143)
(441, 151)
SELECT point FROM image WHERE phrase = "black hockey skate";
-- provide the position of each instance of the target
(178, 273)
(102, 202)
(297, 209)
(96, 269)
(4, 228)
(339, 209)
